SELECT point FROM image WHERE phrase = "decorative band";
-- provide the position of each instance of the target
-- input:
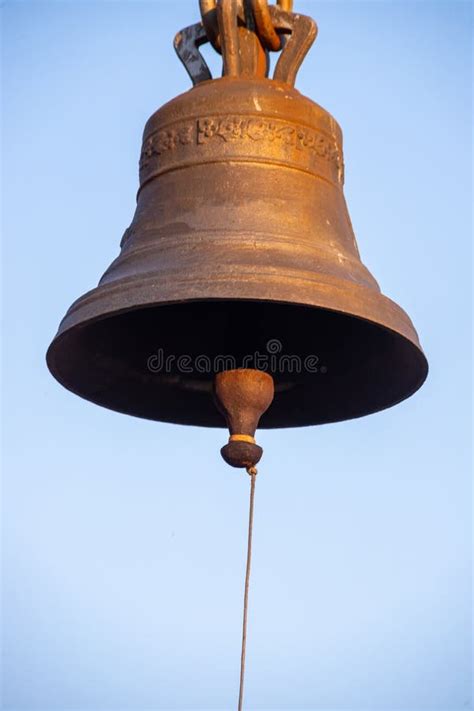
(241, 438)
(246, 137)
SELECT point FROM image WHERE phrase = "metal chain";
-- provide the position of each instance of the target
(252, 471)
(266, 32)
(265, 28)
(244, 31)
(209, 21)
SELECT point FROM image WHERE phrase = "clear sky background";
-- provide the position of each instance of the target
(124, 540)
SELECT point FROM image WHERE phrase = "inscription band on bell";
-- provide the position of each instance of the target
(241, 137)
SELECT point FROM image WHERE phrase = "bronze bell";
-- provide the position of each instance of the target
(241, 248)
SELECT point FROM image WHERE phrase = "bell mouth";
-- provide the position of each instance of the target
(159, 362)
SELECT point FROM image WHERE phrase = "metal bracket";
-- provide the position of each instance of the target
(186, 44)
(237, 39)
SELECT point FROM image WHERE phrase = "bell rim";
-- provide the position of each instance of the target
(64, 331)
(354, 298)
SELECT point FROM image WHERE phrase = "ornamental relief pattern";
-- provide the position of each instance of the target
(235, 129)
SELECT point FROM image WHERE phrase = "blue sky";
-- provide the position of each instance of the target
(124, 540)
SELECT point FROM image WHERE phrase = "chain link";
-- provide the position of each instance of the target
(209, 20)
(265, 30)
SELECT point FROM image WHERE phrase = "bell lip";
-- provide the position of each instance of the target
(413, 343)
(119, 296)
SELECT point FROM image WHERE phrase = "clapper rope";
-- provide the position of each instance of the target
(252, 471)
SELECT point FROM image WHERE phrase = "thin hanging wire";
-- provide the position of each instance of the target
(252, 471)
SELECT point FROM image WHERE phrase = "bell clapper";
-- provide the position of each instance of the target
(242, 396)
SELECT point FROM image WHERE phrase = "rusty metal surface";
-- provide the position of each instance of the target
(241, 236)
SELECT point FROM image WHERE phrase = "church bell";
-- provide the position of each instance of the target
(241, 252)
